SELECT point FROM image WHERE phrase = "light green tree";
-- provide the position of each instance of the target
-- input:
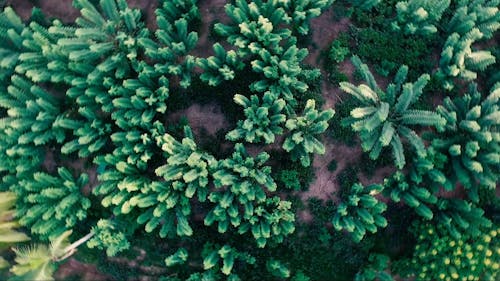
(302, 11)
(242, 200)
(263, 120)
(460, 60)
(304, 130)
(399, 187)
(221, 67)
(419, 16)
(384, 118)
(51, 204)
(360, 212)
(471, 139)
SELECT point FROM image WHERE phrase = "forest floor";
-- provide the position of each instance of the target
(209, 117)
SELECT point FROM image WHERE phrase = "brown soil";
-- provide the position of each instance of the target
(207, 117)
(325, 185)
(85, 271)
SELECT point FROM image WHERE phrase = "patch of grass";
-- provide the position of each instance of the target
(332, 166)
(346, 178)
(338, 132)
(389, 50)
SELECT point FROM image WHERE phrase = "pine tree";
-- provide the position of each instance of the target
(361, 212)
(221, 67)
(382, 118)
(242, 201)
(471, 139)
(399, 187)
(263, 120)
(302, 141)
(460, 60)
(302, 11)
(419, 16)
(481, 14)
(51, 205)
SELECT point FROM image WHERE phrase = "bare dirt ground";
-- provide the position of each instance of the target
(207, 117)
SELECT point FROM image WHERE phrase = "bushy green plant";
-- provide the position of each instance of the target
(264, 119)
(419, 16)
(399, 187)
(438, 256)
(302, 141)
(51, 204)
(382, 118)
(471, 139)
(361, 212)
(375, 270)
(459, 59)
(107, 235)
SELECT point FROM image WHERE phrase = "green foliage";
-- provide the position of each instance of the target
(290, 179)
(258, 31)
(362, 212)
(51, 205)
(459, 59)
(174, 40)
(243, 203)
(302, 141)
(178, 257)
(338, 51)
(108, 236)
(481, 14)
(399, 187)
(220, 67)
(438, 256)
(419, 16)
(302, 11)
(278, 269)
(375, 270)
(461, 218)
(471, 139)
(38, 263)
(387, 50)
(365, 4)
(263, 120)
(382, 118)
(185, 174)
(227, 255)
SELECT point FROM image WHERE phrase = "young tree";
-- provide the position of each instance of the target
(400, 187)
(419, 16)
(221, 67)
(459, 59)
(242, 200)
(382, 118)
(263, 120)
(302, 141)
(51, 205)
(361, 212)
(302, 11)
(471, 139)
